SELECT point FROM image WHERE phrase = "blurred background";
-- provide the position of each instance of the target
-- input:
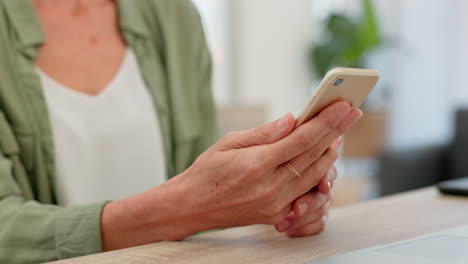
(270, 55)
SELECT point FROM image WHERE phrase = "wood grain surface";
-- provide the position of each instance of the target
(359, 226)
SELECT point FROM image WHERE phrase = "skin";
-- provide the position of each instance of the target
(84, 48)
(241, 180)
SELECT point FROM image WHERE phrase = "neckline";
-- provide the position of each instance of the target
(31, 35)
(64, 89)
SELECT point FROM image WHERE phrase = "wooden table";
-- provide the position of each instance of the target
(364, 225)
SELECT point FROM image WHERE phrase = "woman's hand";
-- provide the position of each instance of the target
(241, 180)
(310, 211)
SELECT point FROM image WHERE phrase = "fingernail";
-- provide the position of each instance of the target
(325, 218)
(330, 176)
(282, 122)
(329, 185)
(284, 225)
(303, 206)
(356, 115)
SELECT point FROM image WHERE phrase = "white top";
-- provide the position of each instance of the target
(108, 146)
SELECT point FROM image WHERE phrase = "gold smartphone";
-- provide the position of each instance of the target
(347, 84)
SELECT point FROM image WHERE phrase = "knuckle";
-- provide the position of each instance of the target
(303, 140)
(263, 162)
(261, 133)
(328, 123)
(341, 128)
(198, 163)
(253, 169)
(314, 153)
(320, 171)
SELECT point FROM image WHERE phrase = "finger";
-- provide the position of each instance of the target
(304, 160)
(264, 134)
(309, 229)
(313, 174)
(280, 223)
(307, 135)
(326, 183)
(304, 207)
(314, 216)
(309, 202)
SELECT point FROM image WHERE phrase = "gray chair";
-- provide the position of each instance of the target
(404, 170)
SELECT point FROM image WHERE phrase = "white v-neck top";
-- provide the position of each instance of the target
(108, 146)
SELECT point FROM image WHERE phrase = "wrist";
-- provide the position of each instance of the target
(163, 213)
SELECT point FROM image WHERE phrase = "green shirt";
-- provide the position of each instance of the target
(168, 40)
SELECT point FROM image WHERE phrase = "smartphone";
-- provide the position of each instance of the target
(340, 84)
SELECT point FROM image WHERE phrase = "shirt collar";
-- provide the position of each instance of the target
(31, 36)
(26, 24)
(131, 19)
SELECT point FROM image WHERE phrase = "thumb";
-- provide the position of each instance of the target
(267, 133)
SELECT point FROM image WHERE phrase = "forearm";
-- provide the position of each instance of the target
(160, 214)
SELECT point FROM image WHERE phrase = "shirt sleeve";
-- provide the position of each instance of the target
(31, 232)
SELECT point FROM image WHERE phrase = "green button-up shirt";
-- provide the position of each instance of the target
(168, 40)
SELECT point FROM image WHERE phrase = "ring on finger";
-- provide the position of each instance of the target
(292, 169)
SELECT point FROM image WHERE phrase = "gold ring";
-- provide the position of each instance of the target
(292, 169)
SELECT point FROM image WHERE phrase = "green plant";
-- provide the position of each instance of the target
(347, 40)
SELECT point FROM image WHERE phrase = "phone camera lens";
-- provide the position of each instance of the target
(338, 82)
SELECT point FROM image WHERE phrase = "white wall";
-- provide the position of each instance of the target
(216, 18)
(428, 69)
(420, 108)
(269, 44)
(458, 51)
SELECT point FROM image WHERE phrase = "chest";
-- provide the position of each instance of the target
(24, 117)
(109, 142)
(84, 48)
